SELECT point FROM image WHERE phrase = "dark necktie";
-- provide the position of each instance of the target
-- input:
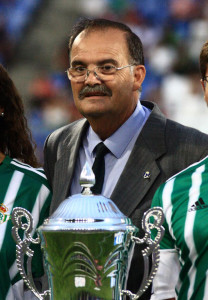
(99, 168)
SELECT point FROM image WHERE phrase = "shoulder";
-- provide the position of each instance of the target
(173, 132)
(178, 186)
(187, 143)
(62, 134)
(189, 171)
(33, 174)
(185, 131)
(184, 144)
(182, 176)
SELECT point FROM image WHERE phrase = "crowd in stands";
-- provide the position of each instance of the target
(172, 32)
(15, 15)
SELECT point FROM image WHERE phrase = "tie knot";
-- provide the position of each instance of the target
(101, 149)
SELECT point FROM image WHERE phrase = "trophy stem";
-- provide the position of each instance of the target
(22, 248)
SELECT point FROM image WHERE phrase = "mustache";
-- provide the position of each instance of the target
(94, 89)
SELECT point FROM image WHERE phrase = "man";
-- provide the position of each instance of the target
(106, 72)
(203, 60)
(184, 199)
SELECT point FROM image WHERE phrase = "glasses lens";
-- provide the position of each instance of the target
(105, 73)
(76, 75)
(106, 70)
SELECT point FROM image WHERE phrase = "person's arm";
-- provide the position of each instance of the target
(19, 292)
(167, 276)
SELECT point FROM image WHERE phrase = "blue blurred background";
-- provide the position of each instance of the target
(33, 48)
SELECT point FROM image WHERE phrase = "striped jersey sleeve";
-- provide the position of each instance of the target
(27, 187)
(184, 199)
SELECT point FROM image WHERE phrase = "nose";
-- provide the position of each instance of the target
(91, 77)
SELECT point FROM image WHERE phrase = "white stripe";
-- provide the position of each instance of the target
(40, 201)
(167, 275)
(23, 164)
(10, 294)
(10, 198)
(167, 204)
(18, 290)
(168, 210)
(27, 167)
(194, 193)
(206, 287)
(13, 270)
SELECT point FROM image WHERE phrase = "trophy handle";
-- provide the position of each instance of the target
(22, 247)
(151, 248)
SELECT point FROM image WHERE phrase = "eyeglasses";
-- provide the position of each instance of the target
(104, 73)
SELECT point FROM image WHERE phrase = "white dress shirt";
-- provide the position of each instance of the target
(120, 144)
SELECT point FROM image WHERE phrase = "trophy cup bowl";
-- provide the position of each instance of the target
(88, 244)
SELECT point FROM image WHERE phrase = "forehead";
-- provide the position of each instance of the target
(100, 44)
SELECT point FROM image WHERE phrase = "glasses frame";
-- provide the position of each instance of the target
(85, 76)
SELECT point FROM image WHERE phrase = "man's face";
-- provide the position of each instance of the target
(205, 87)
(118, 98)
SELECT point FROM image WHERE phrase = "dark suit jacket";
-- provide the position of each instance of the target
(163, 148)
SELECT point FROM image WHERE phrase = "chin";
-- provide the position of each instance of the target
(93, 110)
(93, 114)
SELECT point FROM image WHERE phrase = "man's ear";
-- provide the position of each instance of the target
(139, 75)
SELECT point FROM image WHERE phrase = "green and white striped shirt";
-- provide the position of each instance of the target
(184, 247)
(20, 186)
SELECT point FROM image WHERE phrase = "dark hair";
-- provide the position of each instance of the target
(133, 41)
(203, 60)
(16, 140)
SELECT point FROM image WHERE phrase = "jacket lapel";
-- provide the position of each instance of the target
(65, 165)
(150, 145)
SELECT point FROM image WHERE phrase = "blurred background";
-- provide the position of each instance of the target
(33, 48)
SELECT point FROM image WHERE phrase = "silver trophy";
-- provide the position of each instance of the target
(88, 245)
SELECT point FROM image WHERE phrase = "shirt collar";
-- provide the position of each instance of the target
(120, 139)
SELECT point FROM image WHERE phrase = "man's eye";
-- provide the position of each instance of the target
(107, 68)
(80, 69)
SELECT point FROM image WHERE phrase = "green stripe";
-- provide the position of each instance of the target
(5, 178)
(200, 232)
(180, 201)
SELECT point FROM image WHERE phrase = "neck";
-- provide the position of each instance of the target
(104, 128)
(105, 125)
(2, 157)
(102, 131)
